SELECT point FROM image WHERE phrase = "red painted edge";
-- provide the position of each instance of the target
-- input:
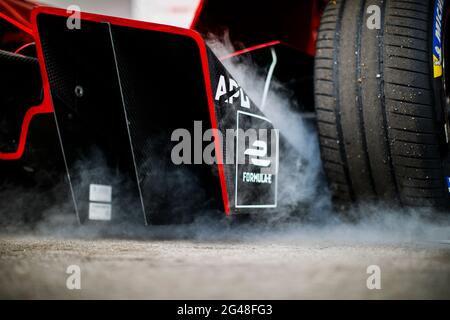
(16, 24)
(197, 14)
(250, 49)
(24, 47)
(44, 107)
(147, 26)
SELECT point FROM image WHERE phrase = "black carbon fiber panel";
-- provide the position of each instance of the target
(164, 90)
(90, 116)
(119, 93)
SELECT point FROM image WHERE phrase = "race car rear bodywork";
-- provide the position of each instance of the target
(137, 119)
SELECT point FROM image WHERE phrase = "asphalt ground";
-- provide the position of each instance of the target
(203, 261)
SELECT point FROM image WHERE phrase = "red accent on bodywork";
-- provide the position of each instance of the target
(18, 12)
(316, 15)
(44, 107)
(295, 23)
(154, 27)
(197, 13)
(24, 47)
(247, 50)
(16, 24)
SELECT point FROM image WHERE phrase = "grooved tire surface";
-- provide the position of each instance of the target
(377, 121)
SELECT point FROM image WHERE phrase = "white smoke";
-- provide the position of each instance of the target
(307, 214)
(302, 183)
(366, 222)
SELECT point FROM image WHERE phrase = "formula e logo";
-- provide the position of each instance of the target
(231, 92)
(256, 162)
(260, 151)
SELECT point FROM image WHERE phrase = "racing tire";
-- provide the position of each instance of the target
(379, 103)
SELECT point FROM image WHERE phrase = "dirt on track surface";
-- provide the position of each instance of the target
(245, 268)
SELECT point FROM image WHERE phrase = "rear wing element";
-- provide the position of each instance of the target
(139, 107)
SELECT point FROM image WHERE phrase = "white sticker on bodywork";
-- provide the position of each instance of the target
(100, 211)
(100, 193)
